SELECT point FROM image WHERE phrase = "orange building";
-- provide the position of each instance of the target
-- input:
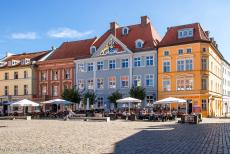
(189, 67)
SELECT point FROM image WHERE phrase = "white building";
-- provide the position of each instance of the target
(226, 88)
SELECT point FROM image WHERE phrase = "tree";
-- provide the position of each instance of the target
(91, 96)
(71, 95)
(138, 92)
(114, 97)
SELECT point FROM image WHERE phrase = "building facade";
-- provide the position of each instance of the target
(121, 58)
(189, 67)
(56, 72)
(226, 87)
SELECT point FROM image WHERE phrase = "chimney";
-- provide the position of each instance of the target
(168, 28)
(217, 46)
(211, 39)
(207, 33)
(53, 48)
(113, 27)
(145, 20)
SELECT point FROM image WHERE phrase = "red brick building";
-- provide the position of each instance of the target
(56, 71)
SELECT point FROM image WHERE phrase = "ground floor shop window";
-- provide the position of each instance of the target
(100, 102)
(149, 99)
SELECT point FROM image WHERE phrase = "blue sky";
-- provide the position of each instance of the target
(33, 25)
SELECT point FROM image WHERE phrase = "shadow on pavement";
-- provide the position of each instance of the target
(178, 138)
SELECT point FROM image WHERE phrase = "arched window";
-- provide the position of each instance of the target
(125, 31)
(139, 43)
(93, 49)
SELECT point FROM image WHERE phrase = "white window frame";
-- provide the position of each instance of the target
(166, 61)
(149, 59)
(90, 65)
(81, 84)
(125, 29)
(147, 77)
(93, 49)
(100, 64)
(90, 86)
(112, 84)
(127, 86)
(102, 85)
(169, 80)
(126, 62)
(113, 63)
(138, 79)
(137, 60)
(81, 68)
(137, 44)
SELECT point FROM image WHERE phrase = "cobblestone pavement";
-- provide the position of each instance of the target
(212, 136)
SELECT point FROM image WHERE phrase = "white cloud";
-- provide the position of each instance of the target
(24, 36)
(67, 33)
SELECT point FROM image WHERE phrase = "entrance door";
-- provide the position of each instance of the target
(189, 103)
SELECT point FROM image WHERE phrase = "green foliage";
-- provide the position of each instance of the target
(71, 95)
(114, 97)
(138, 92)
(91, 96)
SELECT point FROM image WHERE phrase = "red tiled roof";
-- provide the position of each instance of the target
(171, 36)
(75, 49)
(145, 32)
(33, 56)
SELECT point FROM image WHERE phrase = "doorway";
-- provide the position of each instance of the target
(189, 103)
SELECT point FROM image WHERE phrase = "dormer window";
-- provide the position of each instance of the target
(184, 33)
(15, 62)
(93, 49)
(125, 31)
(27, 61)
(139, 43)
(2, 64)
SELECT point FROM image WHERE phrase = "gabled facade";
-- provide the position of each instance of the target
(226, 87)
(121, 58)
(189, 67)
(57, 71)
(18, 76)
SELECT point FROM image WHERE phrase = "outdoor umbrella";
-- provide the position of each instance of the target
(24, 102)
(171, 100)
(128, 100)
(57, 102)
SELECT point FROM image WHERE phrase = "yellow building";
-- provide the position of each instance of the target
(18, 76)
(189, 67)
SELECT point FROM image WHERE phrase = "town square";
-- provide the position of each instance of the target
(132, 77)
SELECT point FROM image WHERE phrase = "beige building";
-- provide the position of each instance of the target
(18, 76)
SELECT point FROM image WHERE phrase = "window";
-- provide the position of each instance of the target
(100, 83)
(81, 68)
(137, 62)
(180, 65)
(180, 51)
(15, 90)
(25, 74)
(54, 90)
(204, 84)
(43, 76)
(66, 86)
(166, 85)
(180, 84)
(44, 90)
(100, 102)
(188, 32)
(125, 63)
(204, 49)
(90, 67)
(55, 75)
(124, 81)
(26, 92)
(149, 99)
(6, 90)
(15, 75)
(6, 77)
(90, 84)
(149, 61)
(136, 80)
(112, 64)
(67, 74)
(93, 49)
(139, 43)
(100, 65)
(204, 64)
(112, 82)
(166, 53)
(189, 50)
(149, 80)
(81, 84)
(184, 83)
(166, 66)
(204, 104)
(188, 84)
(125, 31)
(189, 64)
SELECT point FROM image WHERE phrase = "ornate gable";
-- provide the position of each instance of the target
(111, 46)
